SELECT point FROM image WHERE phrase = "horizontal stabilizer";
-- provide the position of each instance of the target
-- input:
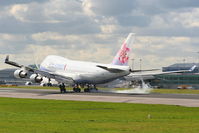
(133, 71)
(113, 70)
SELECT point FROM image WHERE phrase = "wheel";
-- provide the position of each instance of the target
(93, 90)
(76, 89)
(49, 84)
(86, 90)
(44, 85)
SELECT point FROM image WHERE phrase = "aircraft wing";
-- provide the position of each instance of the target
(159, 73)
(7, 61)
(136, 76)
(57, 77)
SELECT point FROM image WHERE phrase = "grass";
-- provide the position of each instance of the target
(30, 87)
(53, 116)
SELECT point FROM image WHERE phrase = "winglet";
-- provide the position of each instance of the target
(192, 68)
(7, 58)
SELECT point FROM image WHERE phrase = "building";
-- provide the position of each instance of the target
(177, 80)
(181, 66)
(7, 77)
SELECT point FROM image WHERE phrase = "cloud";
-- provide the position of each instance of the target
(189, 19)
(130, 20)
(11, 2)
(180, 4)
(166, 31)
(51, 15)
(108, 28)
(18, 11)
(53, 11)
(108, 8)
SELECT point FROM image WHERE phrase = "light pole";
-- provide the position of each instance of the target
(197, 59)
(140, 65)
(184, 63)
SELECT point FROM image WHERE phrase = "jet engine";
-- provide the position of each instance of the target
(20, 74)
(36, 78)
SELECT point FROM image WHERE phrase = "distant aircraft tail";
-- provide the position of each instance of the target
(122, 55)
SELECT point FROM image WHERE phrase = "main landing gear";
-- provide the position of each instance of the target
(89, 88)
(76, 88)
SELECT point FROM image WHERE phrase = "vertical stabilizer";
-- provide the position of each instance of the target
(122, 56)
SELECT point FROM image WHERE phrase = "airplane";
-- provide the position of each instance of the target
(79, 73)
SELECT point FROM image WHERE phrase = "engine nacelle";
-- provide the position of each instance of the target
(36, 78)
(20, 74)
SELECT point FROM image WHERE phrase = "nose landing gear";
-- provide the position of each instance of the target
(62, 88)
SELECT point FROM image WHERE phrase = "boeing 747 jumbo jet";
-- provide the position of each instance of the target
(78, 73)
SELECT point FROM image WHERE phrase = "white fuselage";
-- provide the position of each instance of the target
(82, 72)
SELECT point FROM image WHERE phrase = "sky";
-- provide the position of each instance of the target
(93, 30)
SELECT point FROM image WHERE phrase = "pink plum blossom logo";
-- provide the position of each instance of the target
(123, 54)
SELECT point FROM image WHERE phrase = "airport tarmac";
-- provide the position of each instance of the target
(188, 100)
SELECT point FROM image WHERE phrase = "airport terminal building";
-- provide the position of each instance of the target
(177, 80)
(7, 77)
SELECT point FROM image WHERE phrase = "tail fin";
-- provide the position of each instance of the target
(122, 56)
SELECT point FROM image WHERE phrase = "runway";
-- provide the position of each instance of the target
(188, 100)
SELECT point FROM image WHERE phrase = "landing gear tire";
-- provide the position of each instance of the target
(76, 89)
(87, 90)
(49, 84)
(93, 90)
